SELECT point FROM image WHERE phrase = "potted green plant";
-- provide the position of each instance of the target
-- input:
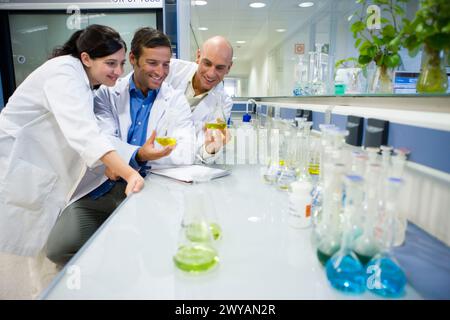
(377, 39)
(430, 30)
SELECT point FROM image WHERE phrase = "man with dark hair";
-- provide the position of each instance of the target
(132, 113)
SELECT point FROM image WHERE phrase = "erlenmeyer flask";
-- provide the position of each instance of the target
(287, 173)
(218, 119)
(384, 275)
(344, 271)
(164, 131)
(196, 250)
(367, 245)
(327, 234)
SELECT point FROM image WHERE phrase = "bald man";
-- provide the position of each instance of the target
(202, 84)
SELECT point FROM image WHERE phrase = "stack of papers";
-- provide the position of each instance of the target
(191, 173)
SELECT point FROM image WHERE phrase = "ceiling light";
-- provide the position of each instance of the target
(257, 4)
(240, 41)
(280, 30)
(306, 4)
(199, 3)
(202, 28)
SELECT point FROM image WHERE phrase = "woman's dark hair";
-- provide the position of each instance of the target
(96, 40)
(148, 38)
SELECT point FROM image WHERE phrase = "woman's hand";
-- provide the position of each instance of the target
(117, 167)
(135, 183)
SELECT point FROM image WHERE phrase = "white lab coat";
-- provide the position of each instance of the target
(48, 135)
(181, 72)
(112, 109)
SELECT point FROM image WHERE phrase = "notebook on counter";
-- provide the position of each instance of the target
(191, 173)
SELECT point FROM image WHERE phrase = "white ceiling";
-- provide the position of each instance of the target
(235, 20)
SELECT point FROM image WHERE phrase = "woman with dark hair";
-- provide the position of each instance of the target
(49, 137)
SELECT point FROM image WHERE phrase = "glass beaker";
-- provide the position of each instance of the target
(196, 249)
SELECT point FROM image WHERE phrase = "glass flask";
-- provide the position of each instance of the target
(301, 86)
(164, 133)
(196, 249)
(317, 157)
(344, 270)
(303, 154)
(384, 275)
(367, 245)
(327, 234)
(398, 166)
(287, 173)
(218, 120)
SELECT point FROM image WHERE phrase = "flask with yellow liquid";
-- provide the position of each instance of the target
(163, 138)
(197, 250)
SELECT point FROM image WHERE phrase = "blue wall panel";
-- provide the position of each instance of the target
(339, 120)
(317, 118)
(429, 147)
(238, 107)
(286, 113)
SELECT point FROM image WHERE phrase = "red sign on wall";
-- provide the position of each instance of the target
(299, 48)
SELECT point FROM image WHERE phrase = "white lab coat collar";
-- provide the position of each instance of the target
(122, 95)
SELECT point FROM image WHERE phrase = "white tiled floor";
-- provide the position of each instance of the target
(24, 277)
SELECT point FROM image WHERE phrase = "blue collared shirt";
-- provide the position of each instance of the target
(140, 107)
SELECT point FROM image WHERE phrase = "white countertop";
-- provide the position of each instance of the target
(261, 256)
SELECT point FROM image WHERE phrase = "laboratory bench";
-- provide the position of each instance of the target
(260, 255)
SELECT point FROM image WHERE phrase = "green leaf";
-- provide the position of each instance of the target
(393, 61)
(357, 43)
(446, 29)
(364, 60)
(358, 26)
(384, 20)
(399, 10)
(394, 44)
(377, 41)
(411, 42)
(388, 31)
(439, 41)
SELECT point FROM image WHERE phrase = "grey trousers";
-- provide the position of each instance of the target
(79, 221)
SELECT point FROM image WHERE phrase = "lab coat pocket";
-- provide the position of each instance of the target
(26, 185)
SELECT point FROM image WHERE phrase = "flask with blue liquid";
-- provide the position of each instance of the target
(344, 270)
(384, 275)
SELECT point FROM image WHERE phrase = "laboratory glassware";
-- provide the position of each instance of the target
(344, 270)
(368, 244)
(163, 138)
(196, 251)
(327, 234)
(384, 276)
